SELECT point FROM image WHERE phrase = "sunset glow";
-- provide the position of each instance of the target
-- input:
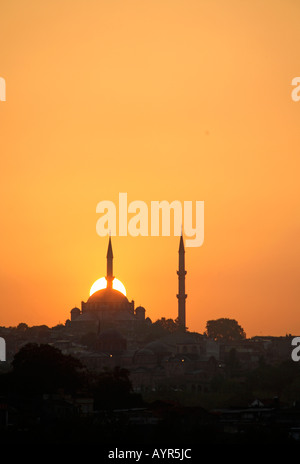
(101, 283)
(173, 100)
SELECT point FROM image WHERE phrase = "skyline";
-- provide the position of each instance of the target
(180, 100)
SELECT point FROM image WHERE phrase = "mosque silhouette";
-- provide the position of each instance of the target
(110, 308)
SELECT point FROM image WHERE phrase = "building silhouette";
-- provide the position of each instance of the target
(107, 307)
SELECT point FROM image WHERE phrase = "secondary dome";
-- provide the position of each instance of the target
(107, 296)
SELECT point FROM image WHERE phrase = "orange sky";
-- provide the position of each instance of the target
(164, 100)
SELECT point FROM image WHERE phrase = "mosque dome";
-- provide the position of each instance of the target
(140, 308)
(75, 310)
(75, 313)
(108, 296)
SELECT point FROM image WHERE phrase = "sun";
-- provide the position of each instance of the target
(101, 283)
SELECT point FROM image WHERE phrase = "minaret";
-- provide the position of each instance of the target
(181, 285)
(109, 265)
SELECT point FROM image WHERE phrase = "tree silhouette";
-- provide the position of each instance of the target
(224, 329)
(44, 369)
(167, 325)
(22, 327)
(158, 329)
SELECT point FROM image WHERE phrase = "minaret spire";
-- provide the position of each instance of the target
(109, 265)
(181, 285)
